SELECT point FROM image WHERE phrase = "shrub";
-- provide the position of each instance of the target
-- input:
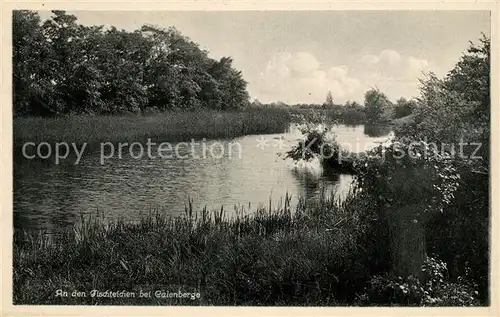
(433, 290)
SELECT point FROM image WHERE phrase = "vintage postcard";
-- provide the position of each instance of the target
(198, 158)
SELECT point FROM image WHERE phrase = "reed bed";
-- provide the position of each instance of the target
(162, 127)
(306, 256)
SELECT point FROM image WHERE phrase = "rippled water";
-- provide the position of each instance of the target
(49, 196)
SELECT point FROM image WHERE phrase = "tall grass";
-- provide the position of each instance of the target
(166, 126)
(279, 256)
(169, 126)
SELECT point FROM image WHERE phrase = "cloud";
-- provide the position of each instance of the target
(370, 59)
(392, 65)
(392, 72)
(416, 66)
(303, 63)
(389, 58)
(298, 77)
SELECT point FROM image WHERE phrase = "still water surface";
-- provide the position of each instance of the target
(51, 197)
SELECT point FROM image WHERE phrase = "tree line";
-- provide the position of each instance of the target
(376, 109)
(61, 66)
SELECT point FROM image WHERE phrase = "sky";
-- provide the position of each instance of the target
(298, 56)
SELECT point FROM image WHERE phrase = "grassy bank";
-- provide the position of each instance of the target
(169, 126)
(321, 254)
(272, 257)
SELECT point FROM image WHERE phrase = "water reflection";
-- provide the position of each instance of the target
(52, 196)
(375, 131)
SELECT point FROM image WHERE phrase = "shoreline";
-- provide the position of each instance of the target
(201, 252)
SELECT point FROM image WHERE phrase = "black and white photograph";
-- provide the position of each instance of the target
(277, 158)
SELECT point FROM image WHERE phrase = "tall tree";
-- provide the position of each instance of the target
(29, 63)
(378, 108)
(329, 99)
(61, 66)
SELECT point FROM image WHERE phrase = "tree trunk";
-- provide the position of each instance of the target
(408, 247)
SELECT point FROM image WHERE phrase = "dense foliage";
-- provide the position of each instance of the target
(353, 113)
(404, 107)
(60, 66)
(460, 235)
(378, 107)
(432, 290)
(428, 191)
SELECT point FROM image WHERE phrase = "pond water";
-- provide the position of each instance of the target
(246, 172)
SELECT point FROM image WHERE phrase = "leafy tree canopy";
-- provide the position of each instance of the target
(60, 66)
